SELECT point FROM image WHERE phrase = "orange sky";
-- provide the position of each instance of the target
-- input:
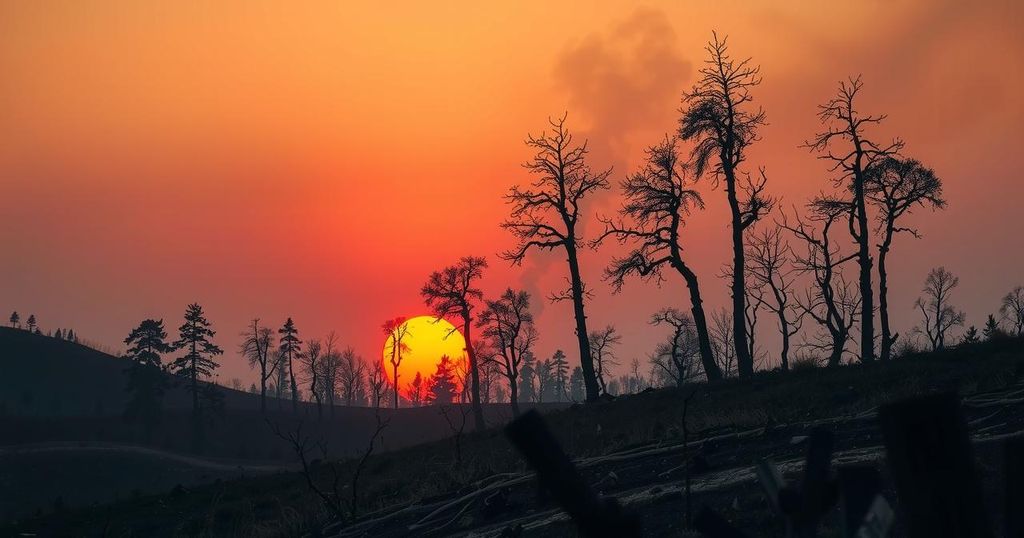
(318, 162)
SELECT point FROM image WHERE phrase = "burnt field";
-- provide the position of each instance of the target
(631, 449)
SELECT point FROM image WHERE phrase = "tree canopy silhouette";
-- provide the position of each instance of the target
(658, 199)
(939, 315)
(508, 323)
(146, 382)
(396, 330)
(290, 347)
(452, 292)
(255, 347)
(895, 186)
(546, 216)
(830, 301)
(197, 363)
(845, 143)
(718, 117)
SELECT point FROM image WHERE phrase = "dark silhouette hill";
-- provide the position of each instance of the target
(631, 448)
(61, 414)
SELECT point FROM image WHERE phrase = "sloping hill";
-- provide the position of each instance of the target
(61, 408)
(57, 391)
(49, 377)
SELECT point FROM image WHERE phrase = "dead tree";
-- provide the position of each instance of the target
(330, 370)
(255, 346)
(770, 269)
(829, 301)
(676, 358)
(455, 416)
(1012, 309)
(719, 119)
(895, 187)
(508, 323)
(377, 380)
(381, 425)
(453, 292)
(657, 201)
(302, 444)
(351, 375)
(311, 362)
(721, 335)
(545, 216)
(845, 143)
(602, 343)
(396, 330)
(939, 316)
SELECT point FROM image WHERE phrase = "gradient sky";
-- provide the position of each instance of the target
(320, 161)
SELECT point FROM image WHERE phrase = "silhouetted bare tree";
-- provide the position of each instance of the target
(1012, 309)
(396, 330)
(507, 322)
(721, 335)
(677, 358)
(329, 370)
(845, 143)
(255, 347)
(311, 361)
(770, 270)
(895, 186)
(290, 350)
(377, 380)
(546, 216)
(602, 344)
(829, 301)
(939, 316)
(453, 292)
(718, 117)
(657, 202)
(351, 375)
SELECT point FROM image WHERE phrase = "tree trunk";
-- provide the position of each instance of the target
(883, 303)
(263, 388)
(586, 359)
(295, 386)
(867, 311)
(394, 368)
(707, 356)
(513, 396)
(744, 360)
(474, 373)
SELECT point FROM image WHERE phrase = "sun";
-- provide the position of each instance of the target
(428, 339)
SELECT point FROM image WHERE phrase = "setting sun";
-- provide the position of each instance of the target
(428, 339)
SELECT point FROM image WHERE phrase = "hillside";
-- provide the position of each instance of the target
(630, 448)
(61, 409)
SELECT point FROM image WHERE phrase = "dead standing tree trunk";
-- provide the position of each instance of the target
(895, 187)
(657, 201)
(845, 126)
(453, 292)
(545, 216)
(716, 118)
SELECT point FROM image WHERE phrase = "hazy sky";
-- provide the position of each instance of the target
(320, 161)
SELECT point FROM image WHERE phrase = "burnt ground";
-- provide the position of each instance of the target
(648, 480)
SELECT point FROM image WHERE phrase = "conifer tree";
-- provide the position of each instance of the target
(290, 348)
(441, 386)
(146, 382)
(197, 363)
(31, 323)
(15, 320)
